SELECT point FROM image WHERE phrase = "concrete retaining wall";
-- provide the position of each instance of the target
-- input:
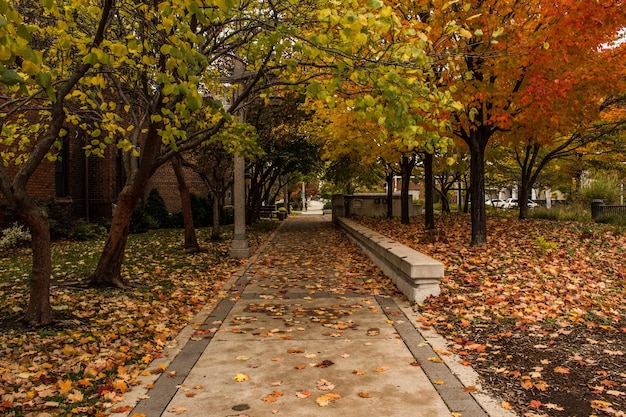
(416, 275)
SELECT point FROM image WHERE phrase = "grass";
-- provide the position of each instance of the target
(106, 337)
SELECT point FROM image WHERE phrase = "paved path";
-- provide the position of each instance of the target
(309, 332)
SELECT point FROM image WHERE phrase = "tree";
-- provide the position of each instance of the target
(215, 166)
(501, 59)
(191, 240)
(287, 150)
(44, 56)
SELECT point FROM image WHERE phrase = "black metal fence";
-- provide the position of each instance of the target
(599, 209)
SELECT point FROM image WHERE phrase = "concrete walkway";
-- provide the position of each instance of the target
(306, 330)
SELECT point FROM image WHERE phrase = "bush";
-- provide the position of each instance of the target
(202, 210)
(155, 208)
(614, 220)
(141, 221)
(84, 231)
(61, 219)
(14, 237)
(574, 212)
(604, 189)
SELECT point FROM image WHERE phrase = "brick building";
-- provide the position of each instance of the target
(88, 187)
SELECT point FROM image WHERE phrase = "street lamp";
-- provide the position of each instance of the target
(239, 247)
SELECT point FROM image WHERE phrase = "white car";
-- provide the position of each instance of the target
(497, 203)
(512, 203)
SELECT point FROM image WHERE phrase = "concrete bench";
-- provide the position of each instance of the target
(416, 275)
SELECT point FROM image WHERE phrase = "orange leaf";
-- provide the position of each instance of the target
(561, 370)
(65, 386)
(364, 395)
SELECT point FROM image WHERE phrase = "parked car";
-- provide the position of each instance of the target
(497, 203)
(513, 202)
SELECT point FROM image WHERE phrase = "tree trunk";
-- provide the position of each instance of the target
(531, 151)
(215, 229)
(478, 214)
(191, 240)
(109, 268)
(39, 310)
(429, 198)
(406, 165)
(389, 180)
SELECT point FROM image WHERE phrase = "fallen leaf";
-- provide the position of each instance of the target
(241, 377)
(325, 364)
(65, 386)
(561, 370)
(364, 395)
(303, 394)
(326, 399)
(325, 385)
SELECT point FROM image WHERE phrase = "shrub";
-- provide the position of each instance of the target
(141, 221)
(574, 212)
(155, 208)
(202, 210)
(604, 189)
(15, 236)
(614, 220)
(61, 219)
(84, 231)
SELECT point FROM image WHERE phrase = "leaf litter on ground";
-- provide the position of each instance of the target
(104, 339)
(539, 294)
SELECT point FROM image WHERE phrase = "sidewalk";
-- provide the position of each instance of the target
(306, 331)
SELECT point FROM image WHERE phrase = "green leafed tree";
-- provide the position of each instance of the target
(45, 55)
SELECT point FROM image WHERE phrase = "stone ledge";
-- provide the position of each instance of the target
(416, 275)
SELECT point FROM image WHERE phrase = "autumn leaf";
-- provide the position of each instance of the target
(325, 385)
(561, 370)
(123, 409)
(65, 386)
(241, 377)
(506, 405)
(326, 399)
(364, 395)
(303, 394)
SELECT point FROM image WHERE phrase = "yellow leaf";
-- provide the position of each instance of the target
(65, 386)
(241, 377)
(325, 399)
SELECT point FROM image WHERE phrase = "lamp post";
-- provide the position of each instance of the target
(239, 246)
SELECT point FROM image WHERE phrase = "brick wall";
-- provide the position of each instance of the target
(164, 180)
